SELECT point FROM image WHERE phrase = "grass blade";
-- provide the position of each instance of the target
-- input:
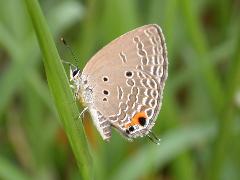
(174, 143)
(9, 171)
(60, 90)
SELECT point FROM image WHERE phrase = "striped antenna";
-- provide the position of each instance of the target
(71, 51)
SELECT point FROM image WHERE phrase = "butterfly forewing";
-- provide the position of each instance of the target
(127, 77)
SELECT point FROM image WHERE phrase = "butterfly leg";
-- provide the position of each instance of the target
(81, 115)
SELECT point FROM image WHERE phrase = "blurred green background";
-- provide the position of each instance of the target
(199, 123)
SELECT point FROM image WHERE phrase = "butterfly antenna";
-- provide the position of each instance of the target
(66, 62)
(72, 53)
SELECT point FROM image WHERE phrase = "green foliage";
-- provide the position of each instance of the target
(59, 86)
(199, 121)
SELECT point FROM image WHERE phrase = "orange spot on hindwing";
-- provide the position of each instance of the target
(138, 119)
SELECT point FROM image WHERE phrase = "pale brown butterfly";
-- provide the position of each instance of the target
(122, 84)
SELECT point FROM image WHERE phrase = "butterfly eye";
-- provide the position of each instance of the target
(75, 72)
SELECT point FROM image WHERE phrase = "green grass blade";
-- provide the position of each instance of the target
(200, 44)
(9, 171)
(172, 145)
(227, 116)
(60, 90)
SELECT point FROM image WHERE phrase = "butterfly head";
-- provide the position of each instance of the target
(75, 73)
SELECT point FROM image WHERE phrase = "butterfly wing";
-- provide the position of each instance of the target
(127, 77)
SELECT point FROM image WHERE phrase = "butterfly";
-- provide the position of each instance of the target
(122, 84)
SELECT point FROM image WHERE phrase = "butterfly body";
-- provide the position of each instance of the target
(122, 85)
